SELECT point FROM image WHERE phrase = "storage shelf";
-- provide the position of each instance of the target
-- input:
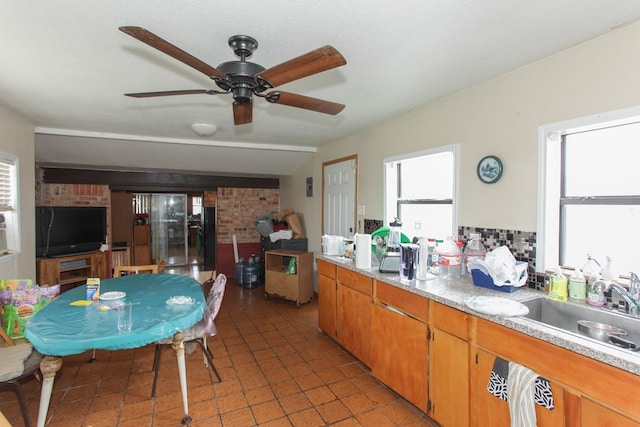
(293, 287)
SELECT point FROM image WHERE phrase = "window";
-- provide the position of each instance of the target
(196, 205)
(420, 189)
(592, 192)
(9, 215)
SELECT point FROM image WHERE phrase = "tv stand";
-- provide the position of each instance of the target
(71, 271)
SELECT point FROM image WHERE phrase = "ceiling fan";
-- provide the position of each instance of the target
(244, 79)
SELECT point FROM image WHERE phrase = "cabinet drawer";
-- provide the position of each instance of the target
(450, 320)
(327, 269)
(411, 304)
(355, 281)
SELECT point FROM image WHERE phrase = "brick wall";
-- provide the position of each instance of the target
(74, 195)
(238, 208)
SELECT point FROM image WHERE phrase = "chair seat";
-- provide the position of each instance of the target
(18, 360)
(204, 328)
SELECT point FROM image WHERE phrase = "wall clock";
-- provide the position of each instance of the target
(490, 169)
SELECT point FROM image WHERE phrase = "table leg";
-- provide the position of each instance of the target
(49, 366)
(178, 346)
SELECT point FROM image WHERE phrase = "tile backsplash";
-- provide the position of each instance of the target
(522, 245)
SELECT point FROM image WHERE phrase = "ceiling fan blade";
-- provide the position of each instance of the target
(306, 102)
(173, 92)
(162, 45)
(242, 113)
(316, 61)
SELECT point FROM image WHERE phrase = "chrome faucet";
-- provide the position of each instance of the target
(634, 286)
(632, 305)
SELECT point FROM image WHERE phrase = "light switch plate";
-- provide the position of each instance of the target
(360, 210)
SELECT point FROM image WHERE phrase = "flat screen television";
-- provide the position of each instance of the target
(68, 230)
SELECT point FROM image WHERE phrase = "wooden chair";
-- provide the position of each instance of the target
(198, 333)
(134, 269)
(18, 361)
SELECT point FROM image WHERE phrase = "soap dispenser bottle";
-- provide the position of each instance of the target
(577, 287)
(558, 286)
(595, 292)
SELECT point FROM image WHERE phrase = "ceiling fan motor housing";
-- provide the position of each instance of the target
(240, 80)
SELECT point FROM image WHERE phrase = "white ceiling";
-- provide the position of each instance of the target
(66, 66)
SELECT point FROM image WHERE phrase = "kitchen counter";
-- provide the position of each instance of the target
(453, 293)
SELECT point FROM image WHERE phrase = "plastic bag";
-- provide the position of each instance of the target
(503, 268)
(292, 267)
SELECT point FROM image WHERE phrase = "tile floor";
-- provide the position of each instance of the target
(277, 370)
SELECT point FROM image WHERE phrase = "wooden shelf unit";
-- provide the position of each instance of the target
(141, 244)
(293, 287)
(70, 271)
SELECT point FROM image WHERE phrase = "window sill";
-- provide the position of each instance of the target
(8, 256)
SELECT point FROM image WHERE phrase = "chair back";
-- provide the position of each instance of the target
(134, 269)
(214, 301)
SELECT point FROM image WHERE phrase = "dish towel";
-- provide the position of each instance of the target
(498, 385)
(521, 392)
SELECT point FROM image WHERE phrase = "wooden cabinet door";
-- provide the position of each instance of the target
(595, 415)
(99, 265)
(48, 272)
(399, 354)
(492, 411)
(353, 322)
(449, 380)
(327, 294)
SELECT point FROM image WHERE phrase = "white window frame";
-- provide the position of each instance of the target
(12, 214)
(549, 145)
(454, 149)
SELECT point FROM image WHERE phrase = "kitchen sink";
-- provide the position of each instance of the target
(565, 316)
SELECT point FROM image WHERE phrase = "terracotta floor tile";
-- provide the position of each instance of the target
(106, 418)
(285, 388)
(343, 388)
(259, 395)
(400, 412)
(320, 395)
(374, 418)
(136, 410)
(294, 403)
(307, 418)
(239, 418)
(358, 403)
(333, 412)
(280, 422)
(231, 402)
(267, 411)
(307, 382)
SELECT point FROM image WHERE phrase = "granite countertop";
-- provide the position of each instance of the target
(453, 293)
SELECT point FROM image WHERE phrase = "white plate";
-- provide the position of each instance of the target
(110, 296)
(496, 306)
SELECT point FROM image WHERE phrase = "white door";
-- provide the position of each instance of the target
(339, 200)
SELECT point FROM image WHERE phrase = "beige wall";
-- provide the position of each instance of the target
(16, 137)
(500, 117)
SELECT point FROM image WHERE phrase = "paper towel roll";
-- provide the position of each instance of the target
(363, 250)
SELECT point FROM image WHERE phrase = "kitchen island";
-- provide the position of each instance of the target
(423, 341)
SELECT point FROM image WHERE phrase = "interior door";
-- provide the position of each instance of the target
(339, 196)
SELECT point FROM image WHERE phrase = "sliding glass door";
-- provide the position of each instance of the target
(169, 228)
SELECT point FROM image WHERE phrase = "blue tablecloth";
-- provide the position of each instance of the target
(61, 329)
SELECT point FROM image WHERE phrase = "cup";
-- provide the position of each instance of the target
(408, 262)
(124, 318)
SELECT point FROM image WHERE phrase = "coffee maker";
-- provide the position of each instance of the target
(390, 262)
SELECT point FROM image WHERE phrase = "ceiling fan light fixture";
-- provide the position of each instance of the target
(204, 129)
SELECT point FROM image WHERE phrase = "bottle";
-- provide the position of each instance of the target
(595, 292)
(577, 287)
(474, 249)
(607, 271)
(449, 259)
(558, 286)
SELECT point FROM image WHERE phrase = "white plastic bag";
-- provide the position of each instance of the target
(503, 268)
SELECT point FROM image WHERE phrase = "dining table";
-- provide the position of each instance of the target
(162, 306)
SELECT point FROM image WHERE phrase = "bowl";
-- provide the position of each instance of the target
(599, 331)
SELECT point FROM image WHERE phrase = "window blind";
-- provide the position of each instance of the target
(7, 184)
